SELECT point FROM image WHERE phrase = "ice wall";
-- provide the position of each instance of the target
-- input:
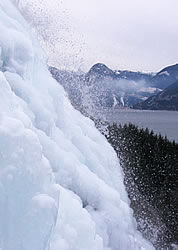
(61, 185)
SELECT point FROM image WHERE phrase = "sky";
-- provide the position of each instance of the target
(123, 34)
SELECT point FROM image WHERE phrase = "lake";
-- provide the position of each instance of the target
(164, 122)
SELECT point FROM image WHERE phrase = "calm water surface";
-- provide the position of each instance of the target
(164, 122)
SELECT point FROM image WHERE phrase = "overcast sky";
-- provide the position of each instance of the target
(124, 34)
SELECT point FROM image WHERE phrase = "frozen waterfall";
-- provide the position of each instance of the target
(61, 185)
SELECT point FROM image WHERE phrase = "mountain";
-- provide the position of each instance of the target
(162, 79)
(166, 100)
(61, 184)
(102, 87)
(165, 77)
(100, 70)
(119, 88)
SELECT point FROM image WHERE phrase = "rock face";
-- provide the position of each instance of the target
(166, 100)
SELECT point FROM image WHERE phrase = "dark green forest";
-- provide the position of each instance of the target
(150, 165)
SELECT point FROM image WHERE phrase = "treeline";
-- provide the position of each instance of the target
(150, 165)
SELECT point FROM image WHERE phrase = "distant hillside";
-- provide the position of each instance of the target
(166, 100)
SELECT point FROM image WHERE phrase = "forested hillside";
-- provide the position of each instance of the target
(150, 164)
